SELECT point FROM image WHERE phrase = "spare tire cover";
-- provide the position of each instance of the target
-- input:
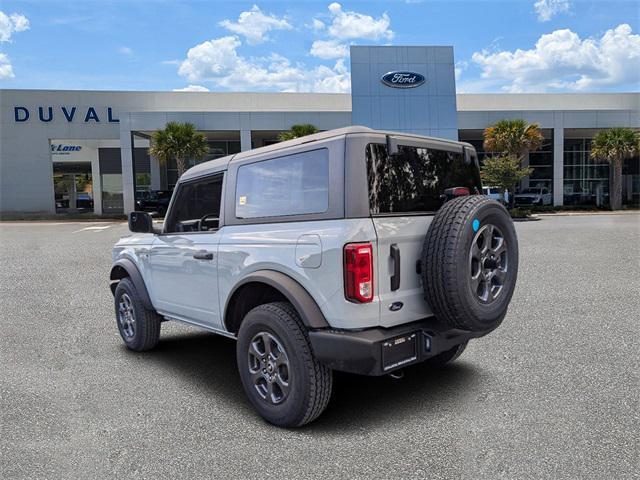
(470, 263)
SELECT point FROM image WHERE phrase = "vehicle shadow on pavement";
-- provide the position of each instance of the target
(357, 401)
(360, 401)
(206, 359)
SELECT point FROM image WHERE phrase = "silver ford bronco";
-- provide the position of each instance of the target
(353, 250)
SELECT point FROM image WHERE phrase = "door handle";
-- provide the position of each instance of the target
(203, 256)
(395, 278)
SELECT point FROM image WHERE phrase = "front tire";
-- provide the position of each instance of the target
(139, 327)
(280, 375)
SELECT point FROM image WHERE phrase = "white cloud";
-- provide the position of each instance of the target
(562, 60)
(192, 88)
(6, 70)
(547, 9)
(317, 25)
(125, 51)
(210, 59)
(10, 24)
(347, 25)
(460, 67)
(331, 80)
(218, 61)
(327, 49)
(254, 25)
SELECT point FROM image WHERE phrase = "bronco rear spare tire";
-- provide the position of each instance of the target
(470, 263)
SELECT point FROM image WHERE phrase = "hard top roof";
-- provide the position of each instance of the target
(222, 163)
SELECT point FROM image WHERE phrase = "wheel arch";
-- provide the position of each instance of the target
(126, 268)
(265, 286)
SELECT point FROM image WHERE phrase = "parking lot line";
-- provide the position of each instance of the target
(93, 228)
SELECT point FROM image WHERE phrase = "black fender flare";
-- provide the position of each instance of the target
(134, 274)
(302, 301)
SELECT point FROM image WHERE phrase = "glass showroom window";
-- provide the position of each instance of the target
(631, 182)
(541, 161)
(586, 181)
(112, 201)
(142, 169)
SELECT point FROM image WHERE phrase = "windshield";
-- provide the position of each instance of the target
(415, 180)
(535, 191)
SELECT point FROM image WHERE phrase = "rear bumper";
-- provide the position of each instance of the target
(378, 351)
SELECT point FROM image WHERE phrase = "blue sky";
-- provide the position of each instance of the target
(500, 46)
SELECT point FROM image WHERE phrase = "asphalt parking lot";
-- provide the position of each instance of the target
(553, 393)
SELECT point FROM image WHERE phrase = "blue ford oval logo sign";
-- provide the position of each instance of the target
(403, 79)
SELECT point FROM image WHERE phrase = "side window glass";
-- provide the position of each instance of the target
(295, 184)
(197, 206)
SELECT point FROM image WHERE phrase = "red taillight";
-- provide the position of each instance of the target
(457, 192)
(358, 272)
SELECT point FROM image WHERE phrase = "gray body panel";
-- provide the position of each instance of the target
(307, 249)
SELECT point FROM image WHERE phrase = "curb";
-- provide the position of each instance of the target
(577, 214)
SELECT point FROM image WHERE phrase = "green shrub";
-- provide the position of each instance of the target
(543, 208)
(520, 213)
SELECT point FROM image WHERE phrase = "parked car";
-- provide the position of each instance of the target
(153, 201)
(84, 200)
(533, 196)
(495, 193)
(140, 196)
(352, 250)
(62, 200)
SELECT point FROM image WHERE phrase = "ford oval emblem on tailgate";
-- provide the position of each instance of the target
(395, 306)
(401, 79)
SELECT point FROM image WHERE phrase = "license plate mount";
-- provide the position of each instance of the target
(399, 351)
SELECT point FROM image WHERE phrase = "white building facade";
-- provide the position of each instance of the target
(68, 151)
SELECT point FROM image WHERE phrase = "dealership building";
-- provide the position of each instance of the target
(64, 151)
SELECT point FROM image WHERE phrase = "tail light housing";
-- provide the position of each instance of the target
(457, 192)
(358, 272)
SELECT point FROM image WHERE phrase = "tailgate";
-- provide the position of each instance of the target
(403, 237)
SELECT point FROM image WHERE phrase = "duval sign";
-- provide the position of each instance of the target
(47, 114)
(403, 79)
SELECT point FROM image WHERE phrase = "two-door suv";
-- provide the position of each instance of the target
(352, 250)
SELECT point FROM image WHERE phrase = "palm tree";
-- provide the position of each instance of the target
(513, 139)
(179, 141)
(298, 131)
(614, 146)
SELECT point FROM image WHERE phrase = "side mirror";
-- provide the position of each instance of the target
(140, 222)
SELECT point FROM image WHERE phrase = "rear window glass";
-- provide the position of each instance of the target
(293, 185)
(415, 180)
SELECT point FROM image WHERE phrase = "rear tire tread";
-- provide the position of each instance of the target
(440, 262)
(321, 377)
